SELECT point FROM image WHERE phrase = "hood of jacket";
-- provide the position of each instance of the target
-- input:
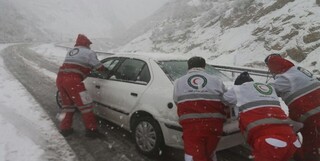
(278, 65)
(82, 40)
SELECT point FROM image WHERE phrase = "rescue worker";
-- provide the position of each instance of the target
(78, 63)
(200, 110)
(300, 90)
(263, 123)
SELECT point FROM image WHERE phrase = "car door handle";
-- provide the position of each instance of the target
(134, 94)
(97, 86)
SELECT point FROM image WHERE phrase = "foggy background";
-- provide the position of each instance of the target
(61, 20)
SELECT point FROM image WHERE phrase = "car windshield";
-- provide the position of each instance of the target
(174, 69)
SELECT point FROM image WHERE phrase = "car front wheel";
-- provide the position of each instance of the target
(148, 136)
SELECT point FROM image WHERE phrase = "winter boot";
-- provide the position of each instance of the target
(65, 119)
(94, 134)
(66, 132)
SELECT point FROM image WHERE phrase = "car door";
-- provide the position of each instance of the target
(95, 79)
(122, 90)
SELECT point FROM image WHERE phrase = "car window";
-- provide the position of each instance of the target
(110, 63)
(177, 68)
(174, 69)
(144, 76)
(133, 70)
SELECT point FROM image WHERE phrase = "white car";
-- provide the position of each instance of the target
(137, 95)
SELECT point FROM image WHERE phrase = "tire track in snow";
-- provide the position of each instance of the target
(43, 89)
(25, 125)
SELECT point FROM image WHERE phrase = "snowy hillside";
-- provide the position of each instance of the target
(236, 32)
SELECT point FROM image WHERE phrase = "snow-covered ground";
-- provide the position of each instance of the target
(27, 132)
(51, 53)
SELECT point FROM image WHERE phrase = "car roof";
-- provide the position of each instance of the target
(154, 56)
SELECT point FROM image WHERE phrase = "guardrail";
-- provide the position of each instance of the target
(231, 69)
(236, 69)
(251, 71)
(98, 52)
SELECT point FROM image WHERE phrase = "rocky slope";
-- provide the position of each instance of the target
(234, 32)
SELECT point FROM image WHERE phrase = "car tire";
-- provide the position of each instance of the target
(148, 136)
(58, 100)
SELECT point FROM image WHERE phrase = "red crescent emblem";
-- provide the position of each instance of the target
(195, 81)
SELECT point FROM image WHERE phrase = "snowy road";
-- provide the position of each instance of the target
(21, 62)
(117, 147)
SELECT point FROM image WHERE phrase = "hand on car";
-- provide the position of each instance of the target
(103, 74)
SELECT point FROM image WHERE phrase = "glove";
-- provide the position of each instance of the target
(103, 75)
(231, 127)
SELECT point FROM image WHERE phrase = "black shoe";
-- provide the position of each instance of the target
(94, 134)
(66, 132)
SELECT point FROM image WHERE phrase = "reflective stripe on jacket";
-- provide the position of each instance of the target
(300, 91)
(308, 114)
(257, 104)
(80, 60)
(201, 116)
(266, 121)
(198, 96)
(77, 71)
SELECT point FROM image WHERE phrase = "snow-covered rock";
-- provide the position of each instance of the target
(235, 32)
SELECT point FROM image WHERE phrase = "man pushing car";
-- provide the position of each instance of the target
(78, 63)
